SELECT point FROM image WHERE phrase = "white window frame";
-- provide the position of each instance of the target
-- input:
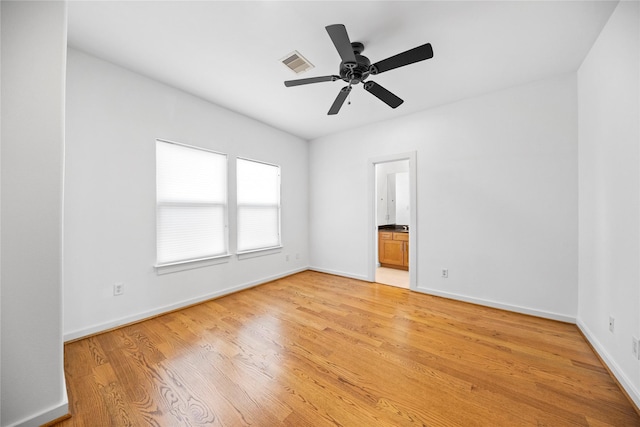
(177, 265)
(249, 253)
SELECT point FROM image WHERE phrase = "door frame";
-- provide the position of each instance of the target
(372, 208)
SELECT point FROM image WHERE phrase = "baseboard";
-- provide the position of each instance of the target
(502, 306)
(623, 381)
(103, 327)
(57, 412)
(56, 421)
(339, 273)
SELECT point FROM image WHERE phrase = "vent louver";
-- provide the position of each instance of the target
(296, 62)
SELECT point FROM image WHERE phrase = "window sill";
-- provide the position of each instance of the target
(191, 264)
(259, 252)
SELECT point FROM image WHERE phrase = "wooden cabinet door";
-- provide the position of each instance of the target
(391, 252)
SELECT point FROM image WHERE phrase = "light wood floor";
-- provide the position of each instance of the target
(320, 350)
(393, 277)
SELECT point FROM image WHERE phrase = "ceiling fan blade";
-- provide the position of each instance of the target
(299, 82)
(416, 54)
(382, 94)
(340, 39)
(337, 104)
(320, 79)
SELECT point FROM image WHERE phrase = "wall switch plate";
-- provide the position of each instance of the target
(634, 348)
(118, 288)
(612, 325)
(445, 273)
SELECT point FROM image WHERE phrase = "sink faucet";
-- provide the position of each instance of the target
(405, 227)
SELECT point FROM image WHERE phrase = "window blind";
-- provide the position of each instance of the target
(191, 203)
(258, 201)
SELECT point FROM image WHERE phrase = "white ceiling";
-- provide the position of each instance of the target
(229, 52)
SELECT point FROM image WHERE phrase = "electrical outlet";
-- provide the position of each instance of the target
(612, 324)
(286, 257)
(118, 288)
(297, 255)
(445, 273)
(634, 348)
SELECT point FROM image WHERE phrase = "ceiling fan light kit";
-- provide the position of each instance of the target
(356, 68)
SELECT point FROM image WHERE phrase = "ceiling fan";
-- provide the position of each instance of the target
(355, 68)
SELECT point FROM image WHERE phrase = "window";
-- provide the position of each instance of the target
(258, 205)
(191, 203)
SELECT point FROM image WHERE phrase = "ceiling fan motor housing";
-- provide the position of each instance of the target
(355, 74)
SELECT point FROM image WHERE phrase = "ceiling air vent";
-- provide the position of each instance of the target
(296, 62)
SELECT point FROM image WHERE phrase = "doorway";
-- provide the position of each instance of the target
(392, 218)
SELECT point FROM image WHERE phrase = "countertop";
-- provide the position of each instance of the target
(393, 228)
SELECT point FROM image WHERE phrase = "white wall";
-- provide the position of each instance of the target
(113, 119)
(33, 67)
(382, 190)
(497, 197)
(609, 209)
(403, 203)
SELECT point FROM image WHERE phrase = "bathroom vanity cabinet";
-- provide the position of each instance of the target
(393, 249)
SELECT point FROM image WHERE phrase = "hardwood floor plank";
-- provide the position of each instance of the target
(320, 350)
